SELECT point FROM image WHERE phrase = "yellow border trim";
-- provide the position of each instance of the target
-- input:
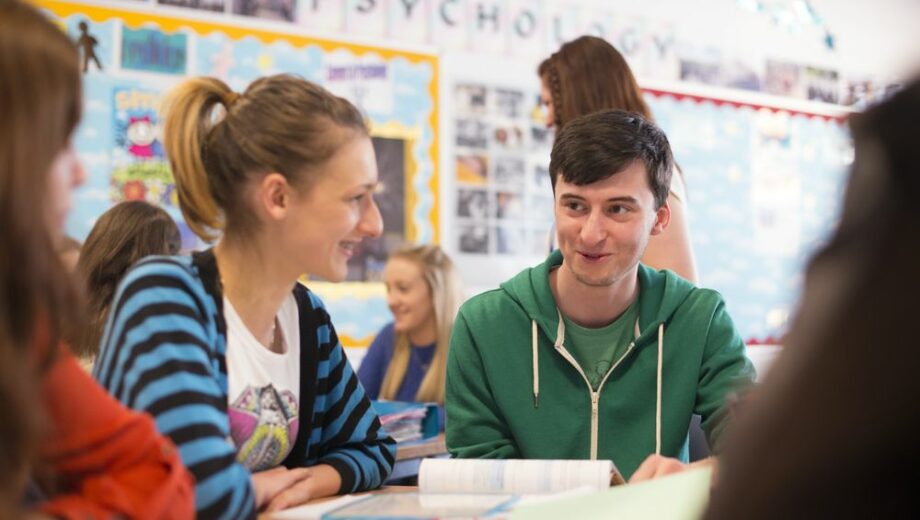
(350, 342)
(409, 136)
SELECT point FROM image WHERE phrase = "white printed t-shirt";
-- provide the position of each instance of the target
(263, 389)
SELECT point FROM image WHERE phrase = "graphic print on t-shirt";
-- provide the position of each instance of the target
(263, 424)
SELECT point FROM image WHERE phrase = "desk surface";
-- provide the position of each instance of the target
(421, 449)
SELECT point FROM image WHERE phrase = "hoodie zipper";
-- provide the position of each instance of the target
(595, 395)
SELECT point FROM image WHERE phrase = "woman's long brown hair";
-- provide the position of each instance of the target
(40, 103)
(587, 75)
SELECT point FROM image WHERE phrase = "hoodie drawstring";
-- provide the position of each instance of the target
(536, 366)
(560, 336)
(658, 397)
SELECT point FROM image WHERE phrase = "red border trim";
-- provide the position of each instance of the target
(680, 96)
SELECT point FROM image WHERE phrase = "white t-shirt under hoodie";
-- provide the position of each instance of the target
(263, 389)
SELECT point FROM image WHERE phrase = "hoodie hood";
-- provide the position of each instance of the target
(660, 295)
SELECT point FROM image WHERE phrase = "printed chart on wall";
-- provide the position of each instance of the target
(133, 55)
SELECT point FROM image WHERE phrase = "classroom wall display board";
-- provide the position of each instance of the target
(133, 53)
(764, 186)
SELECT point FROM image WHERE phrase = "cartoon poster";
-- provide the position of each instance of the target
(139, 167)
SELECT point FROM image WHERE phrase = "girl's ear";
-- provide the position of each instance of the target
(274, 196)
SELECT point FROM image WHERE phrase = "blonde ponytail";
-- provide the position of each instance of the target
(188, 115)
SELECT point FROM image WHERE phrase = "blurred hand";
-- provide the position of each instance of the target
(270, 483)
(657, 466)
(321, 481)
(298, 493)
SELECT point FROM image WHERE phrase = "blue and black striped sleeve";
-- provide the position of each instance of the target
(158, 355)
(347, 434)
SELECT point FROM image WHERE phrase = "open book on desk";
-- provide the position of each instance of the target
(515, 476)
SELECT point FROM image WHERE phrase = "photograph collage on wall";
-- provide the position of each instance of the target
(504, 198)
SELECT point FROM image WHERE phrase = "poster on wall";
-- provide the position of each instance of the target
(139, 170)
(135, 53)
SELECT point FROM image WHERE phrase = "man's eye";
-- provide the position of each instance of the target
(575, 206)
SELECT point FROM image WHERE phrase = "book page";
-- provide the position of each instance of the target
(520, 477)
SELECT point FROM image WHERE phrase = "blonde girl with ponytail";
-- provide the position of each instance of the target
(407, 360)
(239, 363)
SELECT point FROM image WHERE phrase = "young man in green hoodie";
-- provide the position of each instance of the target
(591, 355)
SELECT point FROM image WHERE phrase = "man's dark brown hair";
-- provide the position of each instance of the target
(594, 147)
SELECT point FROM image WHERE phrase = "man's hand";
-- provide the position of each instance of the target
(268, 484)
(657, 466)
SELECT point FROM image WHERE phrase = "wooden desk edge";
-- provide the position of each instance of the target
(427, 448)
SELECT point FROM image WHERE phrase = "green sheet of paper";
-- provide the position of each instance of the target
(677, 497)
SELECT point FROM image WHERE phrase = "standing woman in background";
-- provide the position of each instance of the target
(87, 456)
(408, 358)
(126, 233)
(226, 344)
(587, 75)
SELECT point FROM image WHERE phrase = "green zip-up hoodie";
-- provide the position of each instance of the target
(502, 339)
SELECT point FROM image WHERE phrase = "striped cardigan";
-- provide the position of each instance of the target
(163, 352)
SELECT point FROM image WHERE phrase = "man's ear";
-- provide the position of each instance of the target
(274, 196)
(662, 218)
